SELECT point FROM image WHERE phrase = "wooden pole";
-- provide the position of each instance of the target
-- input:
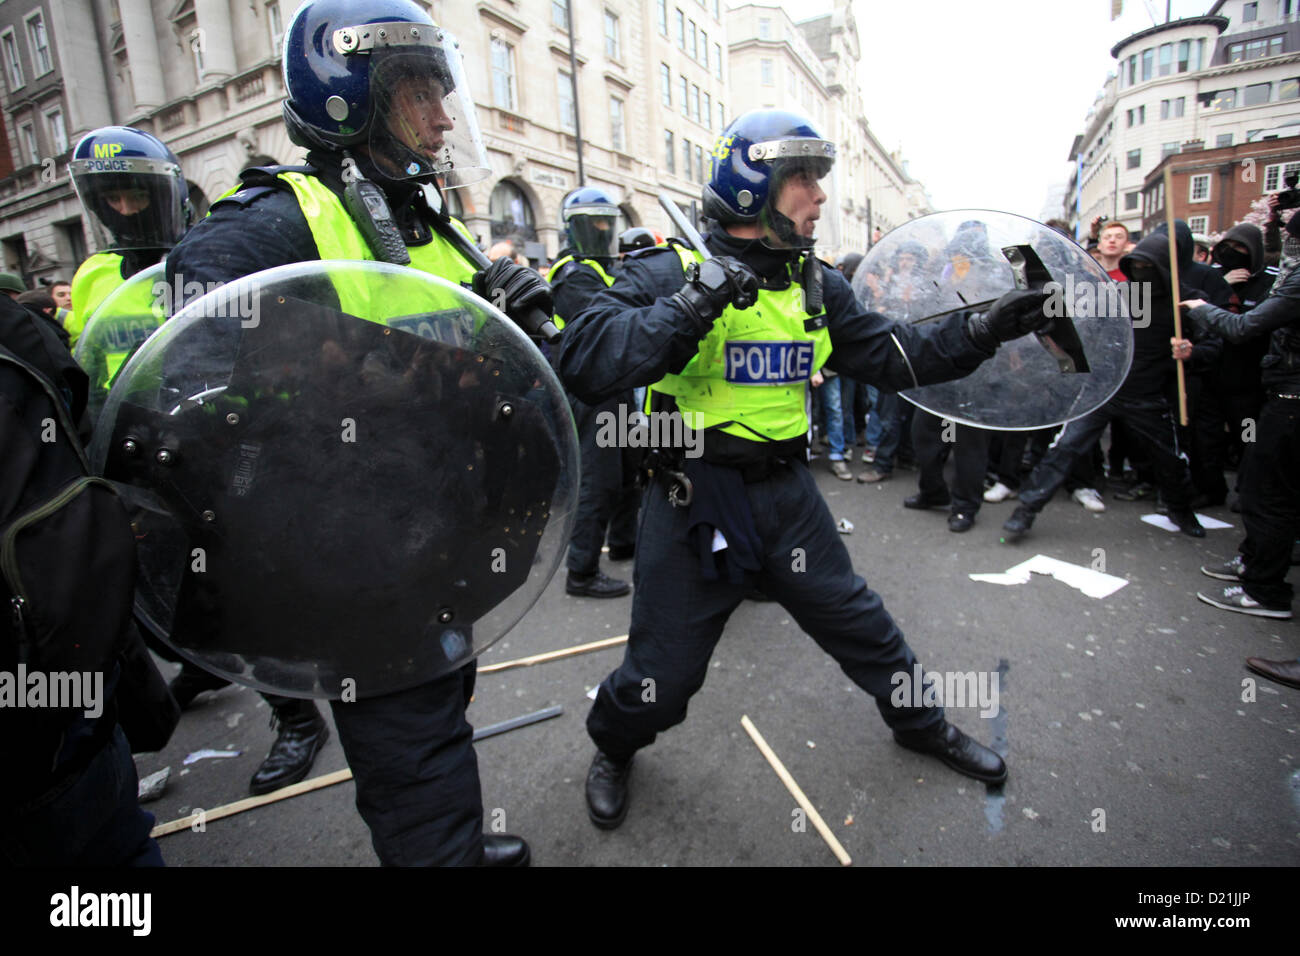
(836, 848)
(1175, 292)
(553, 655)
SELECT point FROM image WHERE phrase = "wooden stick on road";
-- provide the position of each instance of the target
(798, 794)
(554, 655)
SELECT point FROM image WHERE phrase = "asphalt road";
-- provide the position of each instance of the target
(1122, 721)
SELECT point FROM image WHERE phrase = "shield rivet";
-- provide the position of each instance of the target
(163, 457)
(130, 447)
(232, 419)
(209, 516)
(446, 615)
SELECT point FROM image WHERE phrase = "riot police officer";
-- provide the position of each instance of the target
(136, 198)
(585, 267)
(376, 94)
(731, 343)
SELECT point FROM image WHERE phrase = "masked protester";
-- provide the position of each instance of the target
(589, 219)
(729, 345)
(377, 95)
(137, 201)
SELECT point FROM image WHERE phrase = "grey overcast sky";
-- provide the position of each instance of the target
(985, 96)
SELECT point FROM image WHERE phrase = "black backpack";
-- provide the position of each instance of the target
(67, 549)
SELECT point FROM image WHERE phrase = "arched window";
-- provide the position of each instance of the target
(198, 201)
(511, 212)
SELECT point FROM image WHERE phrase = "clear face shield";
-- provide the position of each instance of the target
(795, 195)
(132, 203)
(422, 122)
(593, 229)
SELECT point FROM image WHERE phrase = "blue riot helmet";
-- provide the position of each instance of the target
(380, 75)
(590, 220)
(132, 188)
(753, 161)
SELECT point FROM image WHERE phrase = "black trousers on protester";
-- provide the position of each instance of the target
(412, 756)
(601, 495)
(678, 616)
(1216, 409)
(970, 454)
(1270, 501)
(1150, 422)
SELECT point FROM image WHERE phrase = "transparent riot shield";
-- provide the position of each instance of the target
(126, 317)
(931, 267)
(345, 478)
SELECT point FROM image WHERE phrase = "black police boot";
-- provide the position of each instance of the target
(607, 790)
(920, 501)
(955, 749)
(504, 849)
(598, 585)
(191, 682)
(960, 521)
(1018, 525)
(1187, 522)
(302, 733)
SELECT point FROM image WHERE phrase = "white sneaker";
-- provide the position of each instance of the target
(1089, 498)
(999, 492)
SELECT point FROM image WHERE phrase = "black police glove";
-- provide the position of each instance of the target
(1017, 313)
(518, 291)
(714, 284)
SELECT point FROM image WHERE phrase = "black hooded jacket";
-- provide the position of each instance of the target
(1276, 319)
(1238, 372)
(1153, 362)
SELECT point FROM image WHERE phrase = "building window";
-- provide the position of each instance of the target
(275, 23)
(722, 116)
(661, 15)
(1200, 225)
(503, 74)
(692, 41)
(1288, 89)
(670, 156)
(1249, 12)
(765, 72)
(39, 44)
(1166, 59)
(1131, 201)
(1200, 188)
(1275, 175)
(58, 135)
(1223, 139)
(564, 92)
(13, 68)
(1257, 93)
(706, 111)
(717, 15)
(704, 50)
(616, 123)
(27, 136)
(612, 48)
(717, 60)
(686, 159)
(1254, 49)
(1132, 69)
(1171, 109)
(1222, 100)
(1168, 149)
(1134, 158)
(1184, 55)
(695, 103)
(680, 21)
(666, 84)
(560, 13)
(1148, 64)
(765, 28)
(510, 212)
(699, 162)
(683, 93)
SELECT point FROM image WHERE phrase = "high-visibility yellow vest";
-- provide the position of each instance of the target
(97, 277)
(560, 263)
(750, 376)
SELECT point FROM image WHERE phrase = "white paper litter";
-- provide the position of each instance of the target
(202, 754)
(1095, 584)
(1163, 523)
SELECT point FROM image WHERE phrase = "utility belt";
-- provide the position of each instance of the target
(755, 460)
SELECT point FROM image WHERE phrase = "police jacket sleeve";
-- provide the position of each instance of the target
(631, 334)
(257, 228)
(1281, 308)
(891, 355)
(574, 289)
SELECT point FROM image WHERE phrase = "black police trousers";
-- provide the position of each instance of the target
(1270, 501)
(601, 495)
(412, 756)
(678, 616)
(1149, 419)
(970, 454)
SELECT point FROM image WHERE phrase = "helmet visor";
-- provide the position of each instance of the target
(423, 124)
(593, 229)
(132, 203)
(795, 196)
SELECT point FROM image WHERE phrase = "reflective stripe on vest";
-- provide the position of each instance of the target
(98, 276)
(560, 263)
(750, 376)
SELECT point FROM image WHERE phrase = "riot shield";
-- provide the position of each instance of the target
(126, 317)
(930, 267)
(345, 478)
